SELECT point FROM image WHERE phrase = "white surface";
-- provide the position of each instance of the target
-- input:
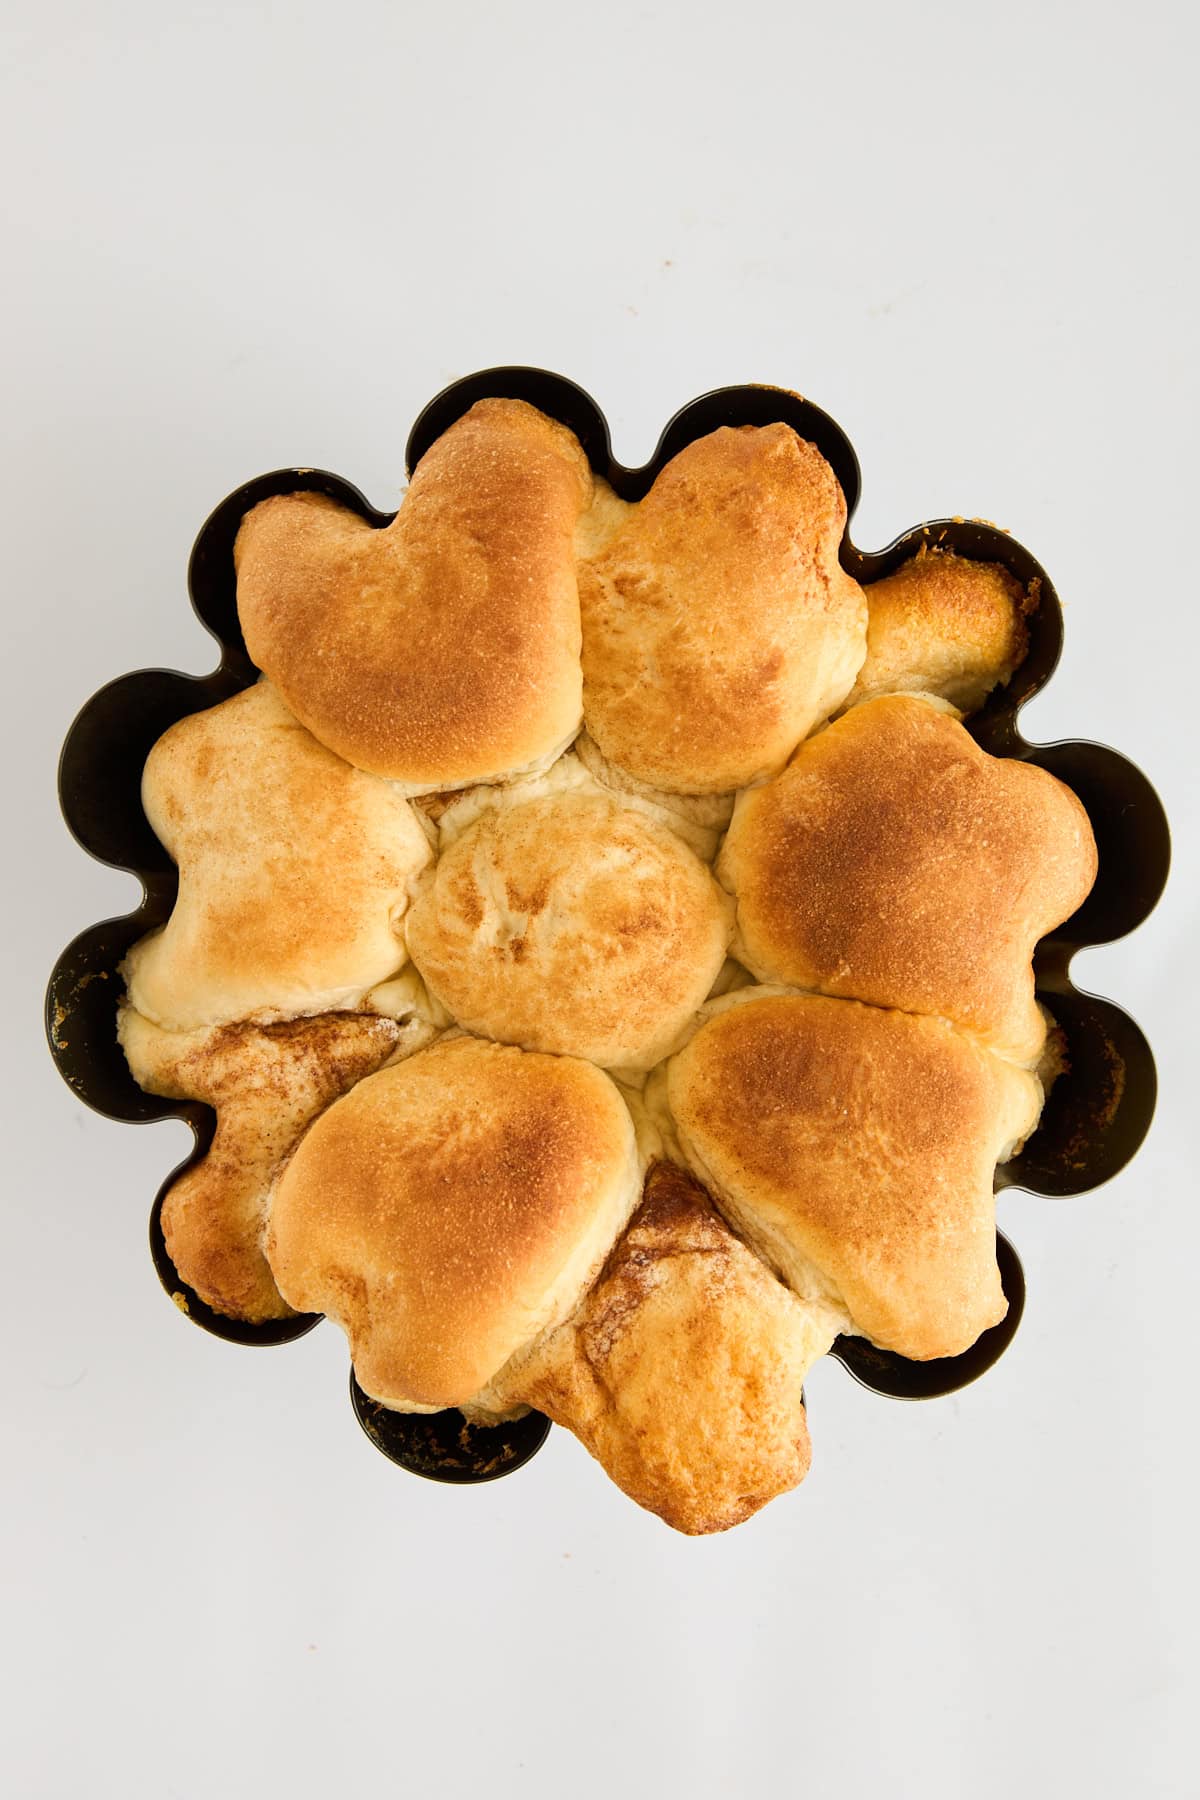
(247, 236)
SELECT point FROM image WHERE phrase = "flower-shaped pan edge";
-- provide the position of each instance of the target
(1097, 1113)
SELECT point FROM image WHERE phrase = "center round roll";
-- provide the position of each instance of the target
(573, 924)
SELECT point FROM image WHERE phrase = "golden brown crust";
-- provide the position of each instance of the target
(294, 870)
(718, 624)
(443, 649)
(862, 1143)
(894, 861)
(573, 924)
(451, 1208)
(946, 625)
(683, 1370)
(266, 1083)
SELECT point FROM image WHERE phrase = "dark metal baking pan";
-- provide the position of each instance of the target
(1097, 1113)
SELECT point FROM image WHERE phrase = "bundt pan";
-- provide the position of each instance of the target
(1095, 1118)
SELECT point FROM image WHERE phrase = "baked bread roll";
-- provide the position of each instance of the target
(894, 861)
(294, 871)
(945, 625)
(683, 1369)
(718, 625)
(450, 1209)
(443, 649)
(266, 1082)
(855, 1150)
(571, 923)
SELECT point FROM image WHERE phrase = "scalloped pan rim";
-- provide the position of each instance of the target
(1112, 1082)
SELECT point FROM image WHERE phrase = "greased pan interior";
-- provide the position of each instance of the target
(1097, 1114)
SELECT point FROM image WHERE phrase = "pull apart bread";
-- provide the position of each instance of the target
(591, 1024)
(719, 626)
(443, 650)
(944, 625)
(854, 1148)
(893, 861)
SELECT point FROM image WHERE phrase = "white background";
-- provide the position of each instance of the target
(245, 236)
